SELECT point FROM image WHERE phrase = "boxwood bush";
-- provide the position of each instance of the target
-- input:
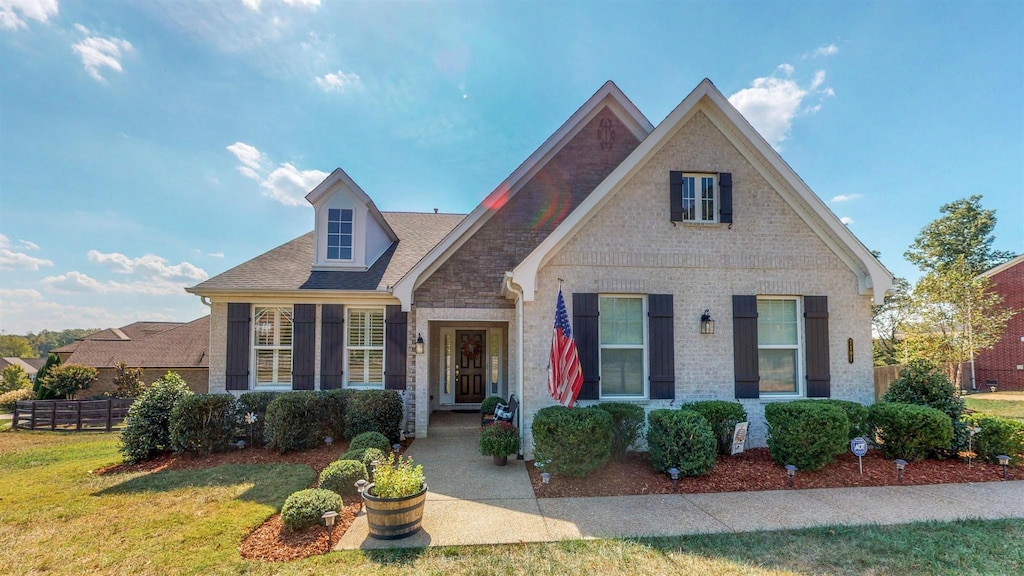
(490, 403)
(998, 436)
(681, 439)
(254, 403)
(723, 416)
(370, 440)
(364, 455)
(203, 423)
(374, 411)
(856, 413)
(293, 422)
(333, 404)
(806, 433)
(341, 476)
(924, 384)
(147, 427)
(305, 507)
(627, 426)
(909, 431)
(571, 441)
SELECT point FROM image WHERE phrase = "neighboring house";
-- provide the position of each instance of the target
(1004, 362)
(29, 365)
(645, 228)
(156, 347)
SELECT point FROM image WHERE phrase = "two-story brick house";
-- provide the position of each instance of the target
(643, 227)
(1004, 362)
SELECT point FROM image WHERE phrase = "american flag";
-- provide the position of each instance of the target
(564, 377)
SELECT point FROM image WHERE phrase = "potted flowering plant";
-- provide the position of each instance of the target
(394, 500)
(499, 440)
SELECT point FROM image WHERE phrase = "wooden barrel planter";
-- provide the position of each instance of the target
(394, 518)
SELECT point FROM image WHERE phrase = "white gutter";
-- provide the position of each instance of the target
(518, 291)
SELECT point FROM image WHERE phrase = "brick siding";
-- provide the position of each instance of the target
(1000, 363)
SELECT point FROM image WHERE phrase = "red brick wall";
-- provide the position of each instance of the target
(472, 277)
(1000, 363)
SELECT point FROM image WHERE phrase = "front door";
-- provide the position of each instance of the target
(470, 368)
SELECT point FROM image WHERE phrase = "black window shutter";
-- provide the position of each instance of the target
(744, 344)
(237, 361)
(675, 195)
(816, 347)
(303, 346)
(332, 353)
(588, 346)
(396, 347)
(725, 197)
(661, 347)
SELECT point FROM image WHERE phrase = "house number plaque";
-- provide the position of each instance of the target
(849, 350)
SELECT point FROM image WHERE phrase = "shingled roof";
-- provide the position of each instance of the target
(177, 346)
(289, 267)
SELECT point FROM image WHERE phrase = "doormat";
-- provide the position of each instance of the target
(465, 411)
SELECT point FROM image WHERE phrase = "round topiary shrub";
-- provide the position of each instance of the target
(571, 441)
(806, 433)
(374, 411)
(681, 439)
(305, 507)
(909, 431)
(341, 476)
(924, 384)
(723, 416)
(203, 423)
(998, 436)
(627, 426)
(147, 427)
(489, 404)
(370, 440)
(293, 422)
(365, 455)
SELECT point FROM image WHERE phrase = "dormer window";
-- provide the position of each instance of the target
(339, 234)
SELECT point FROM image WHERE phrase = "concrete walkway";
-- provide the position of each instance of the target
(471, 501)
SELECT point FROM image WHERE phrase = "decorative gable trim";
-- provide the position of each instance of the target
(608, 96)
(872, 276)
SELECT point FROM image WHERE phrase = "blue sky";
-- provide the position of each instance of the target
(145, 146)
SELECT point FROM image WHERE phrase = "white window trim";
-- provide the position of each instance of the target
(347, 348)
(277, 386)
(801, 385)
(352, 242)
(645, 380)
(698, 198)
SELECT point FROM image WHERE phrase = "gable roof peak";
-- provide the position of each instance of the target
(341, 178)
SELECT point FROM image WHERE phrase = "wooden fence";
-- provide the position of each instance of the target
(72, 415)
(885, 375)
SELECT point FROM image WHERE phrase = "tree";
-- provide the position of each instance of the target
(887, 322)
(68, 379)
(961, 239)
(13, 377)
(17, 346)
(42, 392)
(127, 381)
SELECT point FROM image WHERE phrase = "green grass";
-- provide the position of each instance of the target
(56, 518)
(1006, 408)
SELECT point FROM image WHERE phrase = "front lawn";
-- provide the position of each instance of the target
(1005, 408)
(56, 517)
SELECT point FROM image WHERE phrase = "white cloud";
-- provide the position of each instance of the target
(29, 245)
(846, 220)
(285, 184)
(216, 254)
(14, 12)
(20, 294)
(77, 282)
(828, 50)
(303, 3)
(252, 4)
(26, 311)
(98, 52)
(149, 265)
(771, 103)
(846, 197)
(11, 260)
(339, 82)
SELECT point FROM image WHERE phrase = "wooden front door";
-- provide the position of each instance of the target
(470, 368)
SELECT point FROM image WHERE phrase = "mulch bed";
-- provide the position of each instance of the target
(755, 470)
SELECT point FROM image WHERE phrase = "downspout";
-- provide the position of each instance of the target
(511, 287)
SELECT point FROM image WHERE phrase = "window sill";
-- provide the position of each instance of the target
(691, 224)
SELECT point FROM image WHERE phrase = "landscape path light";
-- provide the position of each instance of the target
(396, 447)
(545, 478)
(674, 474)
(329, 517)
(970, 443)
(329, 441)
(900, 465)
(791, 472)
(1004, 461)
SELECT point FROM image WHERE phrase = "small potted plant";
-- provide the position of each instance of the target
(487, 409)
(394, 500)
(499, 440)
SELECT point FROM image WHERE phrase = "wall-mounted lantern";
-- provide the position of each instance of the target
(419, 343)
(707, 324)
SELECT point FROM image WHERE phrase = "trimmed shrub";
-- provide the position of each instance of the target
(147, 427)
(681, 439)
(304, 508)
(69, 379)
(293, 422)
(627, 426)
(499, 439)
(924, 384)
(333, 404)
(723, 416)
(806, 433)
(203, 423)
(7, 399)
(341, 476)
(374, 411)
(572, 441)
(856, 413)
(909, 431)
(490, 403)
(370, 440)
(998, 436)
(366, 456)
(254, 403)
